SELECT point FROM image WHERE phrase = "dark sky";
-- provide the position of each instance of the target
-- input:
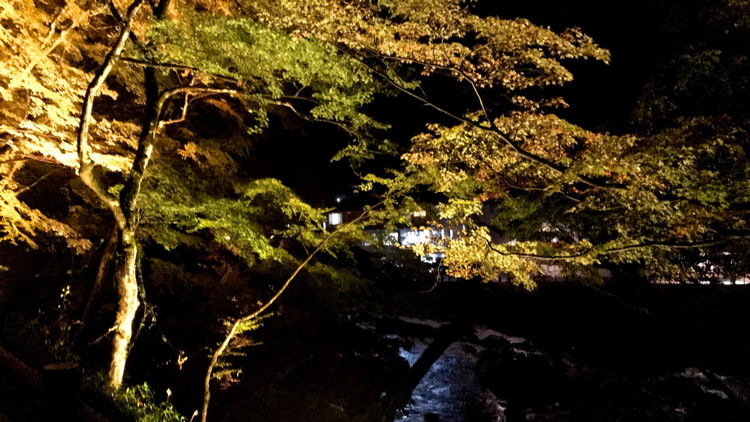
(638, 33)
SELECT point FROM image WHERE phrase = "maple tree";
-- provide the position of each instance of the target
(527, 186)
(532, 189)
(114, 171)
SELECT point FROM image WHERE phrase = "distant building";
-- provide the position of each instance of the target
(336, 218)
(403, 237)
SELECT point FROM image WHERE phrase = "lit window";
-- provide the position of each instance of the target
(415, 237)
(334, 218)
(420, 213)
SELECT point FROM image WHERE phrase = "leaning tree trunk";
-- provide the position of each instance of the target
(127, 305)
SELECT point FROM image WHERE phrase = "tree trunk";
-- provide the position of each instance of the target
(127, 305)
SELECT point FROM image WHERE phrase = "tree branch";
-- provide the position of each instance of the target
(675, 245)
(254, 315)
(107, 256)
(41, 159)
(651, 244)
(536, 256)
(341, 126)
(504, 137)
(129, 194)
(119, 19)
(37, 181)
(179, 67)
(85, 169)
(456, 70)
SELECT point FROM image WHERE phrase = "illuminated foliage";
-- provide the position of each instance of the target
(533, 189)
(539, 189)
(41, 83)
(525, 186)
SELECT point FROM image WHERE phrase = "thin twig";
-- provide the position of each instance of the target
(536, 256)
(101, 337)
(173, 66)
(107, 255)
(40, 159)
(37, 181)
(341, 126)
(254, 315)
(644, 245)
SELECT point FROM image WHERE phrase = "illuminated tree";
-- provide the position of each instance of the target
(239, 66)
(527, 186)
(531, 188)
(41, 87)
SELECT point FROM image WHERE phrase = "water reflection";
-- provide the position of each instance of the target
(450, 391)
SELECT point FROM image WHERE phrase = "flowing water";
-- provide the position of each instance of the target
(450, 391)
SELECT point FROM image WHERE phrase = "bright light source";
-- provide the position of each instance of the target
(415, 237)
(334, 218)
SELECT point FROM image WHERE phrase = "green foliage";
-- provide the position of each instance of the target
(130, 403)
(338, 288)
(255, 222)
(271, 65)
(533, 189)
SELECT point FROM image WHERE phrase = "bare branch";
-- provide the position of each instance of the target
(37, 181)
(312, 119)
(654, 244)
(173, 66)
(456, 70)
(254, 315)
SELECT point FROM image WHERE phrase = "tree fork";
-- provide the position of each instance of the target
(127, 286)
(125, 273)
(85, 169)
